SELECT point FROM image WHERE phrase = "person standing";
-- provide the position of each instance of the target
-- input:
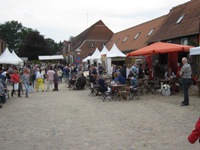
(15, 78)
(185, 74)
(156, 72)
(26, 81)
(50, 74)
(55, 80)
(40, 80)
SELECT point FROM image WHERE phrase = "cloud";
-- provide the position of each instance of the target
(61, 19)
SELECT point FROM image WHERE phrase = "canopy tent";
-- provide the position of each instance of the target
(104, 51)
(115, 52)
(96, 54)
(195, 51)
(17, 58)
(160, 48)
(51, 57)
(86, 59)
(7, 58)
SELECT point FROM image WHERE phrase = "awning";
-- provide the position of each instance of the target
(160, 48)
(52, 57)
(195, 51)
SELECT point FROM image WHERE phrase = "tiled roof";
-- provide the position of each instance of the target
(189, 25)
(135, 37)
(98, 31)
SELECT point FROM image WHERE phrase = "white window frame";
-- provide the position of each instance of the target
(180, 19)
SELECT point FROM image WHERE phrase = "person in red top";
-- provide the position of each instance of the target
(195, 134)
(15, 79)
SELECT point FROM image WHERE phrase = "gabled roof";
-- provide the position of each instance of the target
(181, 21)
(98, 31)
(135, 37)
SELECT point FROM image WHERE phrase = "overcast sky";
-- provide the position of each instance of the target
(60, 19)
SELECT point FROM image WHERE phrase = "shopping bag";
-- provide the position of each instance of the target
(16, 86)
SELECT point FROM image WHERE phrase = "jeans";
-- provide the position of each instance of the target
(26, 85)
(185, 85)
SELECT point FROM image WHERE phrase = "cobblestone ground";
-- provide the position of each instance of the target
(72, 120)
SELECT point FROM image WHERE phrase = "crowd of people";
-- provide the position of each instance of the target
(30, 78)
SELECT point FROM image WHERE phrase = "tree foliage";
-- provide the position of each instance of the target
(33, 45)
(27, 42)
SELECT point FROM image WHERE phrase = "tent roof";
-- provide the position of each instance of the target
(115, 52)
(104, 50)
(15, 55)
(96, 54)
(7, 58)
(85, 59)
(160, 48)
(51, 57)
(195, 51)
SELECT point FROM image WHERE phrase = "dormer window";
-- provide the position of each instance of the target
(180, 19)
(91, 45)
(150, 32)
(125, 38)
(136, 36)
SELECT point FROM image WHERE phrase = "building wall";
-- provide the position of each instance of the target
(2, 45)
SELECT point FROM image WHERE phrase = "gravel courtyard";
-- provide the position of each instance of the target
(73, 120)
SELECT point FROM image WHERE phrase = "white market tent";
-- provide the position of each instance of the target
(51, 57)
(115, 52)
(7, 58)
(95, 56)
(17, 58)
(86, 59)
(195, 51)
(104, 51)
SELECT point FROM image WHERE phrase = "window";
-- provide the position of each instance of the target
(169, 41)
(150, 32)
(136, 36)
(184, 41)
(180, 19)
(91, 45)
(125, 38)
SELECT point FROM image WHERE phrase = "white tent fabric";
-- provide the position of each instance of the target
(7, 58)
(52, 57)
(96, 54)
(195, 51)
(104, 51)
(96, 57)
(86, 59)
(19, 59)
(115, 52)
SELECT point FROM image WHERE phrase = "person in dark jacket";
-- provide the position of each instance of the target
(55, 80)
(140, 72)
(81, 82)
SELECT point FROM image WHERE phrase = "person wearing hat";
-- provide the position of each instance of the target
(195, 134)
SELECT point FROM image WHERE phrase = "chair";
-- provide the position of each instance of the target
(133, 92)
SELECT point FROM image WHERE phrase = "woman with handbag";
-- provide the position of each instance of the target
(15, 79)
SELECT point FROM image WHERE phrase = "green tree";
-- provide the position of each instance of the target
(13, 32)
(33, 45)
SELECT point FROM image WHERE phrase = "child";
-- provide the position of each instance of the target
(195, 134)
